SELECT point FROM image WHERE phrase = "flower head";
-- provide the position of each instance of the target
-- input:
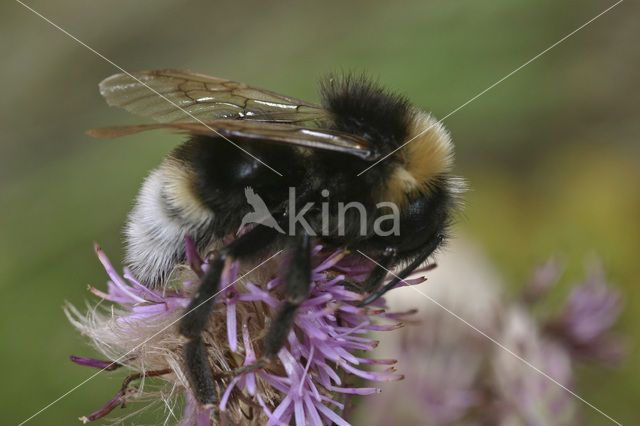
(319, 367)
(479, 371)
(585, 322)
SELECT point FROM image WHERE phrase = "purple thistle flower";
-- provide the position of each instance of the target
(321, 365)
(460, 377)
(542, 280)
(523, 395)
(584, 325)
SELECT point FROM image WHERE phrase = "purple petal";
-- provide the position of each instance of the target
(270, 416)
(203, 417)
(232, 333)
(227, 392)
(331, 415)
(356, 391)
(193, 258)
(329, 261)
(312, 412)
(299, 412)
(96, 363)
(279, 412)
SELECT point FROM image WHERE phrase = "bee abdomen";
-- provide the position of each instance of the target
(164, 213)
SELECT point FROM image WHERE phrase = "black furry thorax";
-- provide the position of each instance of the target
(360, 106)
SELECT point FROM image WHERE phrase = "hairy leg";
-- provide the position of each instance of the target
(199, 310)
(297, 282)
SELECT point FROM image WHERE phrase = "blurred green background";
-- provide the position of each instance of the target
(551, 154)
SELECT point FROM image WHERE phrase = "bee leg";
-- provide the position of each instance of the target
(199, 371)
(378, 274)
(195, 320)
(404, 273)
(297, 283)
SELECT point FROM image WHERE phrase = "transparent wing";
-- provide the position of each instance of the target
(165, 95)
(235, 130)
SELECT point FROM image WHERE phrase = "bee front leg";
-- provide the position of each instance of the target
(380, 290)
(374, 279)
(379, 273)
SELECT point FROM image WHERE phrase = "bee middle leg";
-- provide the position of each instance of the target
(195, 320)
(297, 284)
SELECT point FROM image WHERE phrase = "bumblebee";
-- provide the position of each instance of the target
(363, 147)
